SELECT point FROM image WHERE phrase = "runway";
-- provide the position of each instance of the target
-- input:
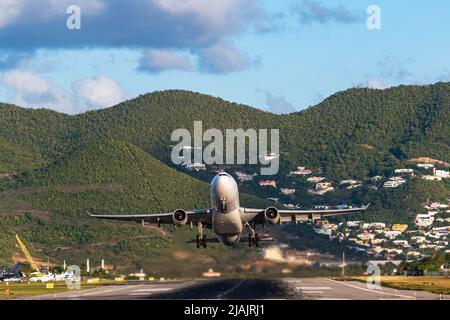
(243, 289)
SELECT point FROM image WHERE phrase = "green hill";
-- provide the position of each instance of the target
(105, 176)
(350, 134)
(54, 167)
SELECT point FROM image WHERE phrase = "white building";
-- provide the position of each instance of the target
(194, 166)
(424, 220)
(419, 239)
(392, 234)
(287, 192)
(301, 171)
(349, 182)
(442, 174)
(244, 177)
(354, 224)
(316, 179)
(377, 225)
(402, 243)
(322, 188)
(394, 182)
(327, 232)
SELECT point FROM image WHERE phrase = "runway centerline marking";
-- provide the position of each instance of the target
(228, 291)
(314, 288)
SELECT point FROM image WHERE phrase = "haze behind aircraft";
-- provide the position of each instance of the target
(227, 218)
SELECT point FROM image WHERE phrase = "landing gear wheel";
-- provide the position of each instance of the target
(253, 240)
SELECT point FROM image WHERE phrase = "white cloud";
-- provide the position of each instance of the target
(58, 7)
(169, 25)
(30, 89)
(373, 83)
(279, 105)
(223, 58)
(155, 60)
(10, 10)
(97, 92)
(42, 10)
(390, 67)
(309, 11)
(216, 14)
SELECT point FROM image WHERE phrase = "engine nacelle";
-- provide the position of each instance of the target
(180, 218)
(272, 215)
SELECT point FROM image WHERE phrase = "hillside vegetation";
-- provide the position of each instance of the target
(55, 167)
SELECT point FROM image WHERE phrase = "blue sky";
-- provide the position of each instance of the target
(282, 56)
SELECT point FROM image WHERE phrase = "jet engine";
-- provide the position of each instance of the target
(272, 216)
(180, 218)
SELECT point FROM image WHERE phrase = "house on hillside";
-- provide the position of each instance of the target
(301, 171)
(425, 165)
(442, 174)
(424, 220)
(268, 183)
(245, 177)
(394, 182)
(316, 179)
(287, 191)
(194, 166)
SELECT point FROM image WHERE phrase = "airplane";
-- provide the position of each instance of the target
(227, 218)
(43, 278)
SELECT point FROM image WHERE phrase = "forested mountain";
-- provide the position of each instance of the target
(54, 167)
(350, 133)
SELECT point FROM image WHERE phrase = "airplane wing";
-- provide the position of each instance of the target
(203, 215)
(303, 215)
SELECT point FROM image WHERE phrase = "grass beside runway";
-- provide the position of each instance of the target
(15, 290)
(440, 285)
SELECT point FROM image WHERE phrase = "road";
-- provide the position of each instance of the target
(243, 289)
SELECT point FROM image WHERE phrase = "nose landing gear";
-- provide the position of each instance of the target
(201, 237)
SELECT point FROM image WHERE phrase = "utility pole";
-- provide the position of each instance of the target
(343, 264)
(103, 264)
(87, 265)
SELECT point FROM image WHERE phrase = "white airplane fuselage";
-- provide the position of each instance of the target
(227, 221)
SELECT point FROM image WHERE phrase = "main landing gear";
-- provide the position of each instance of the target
(201, 237)
(201, 242)
(253, 240)
(253, 237)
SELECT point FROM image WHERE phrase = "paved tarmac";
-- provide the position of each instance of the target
(243, 289)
